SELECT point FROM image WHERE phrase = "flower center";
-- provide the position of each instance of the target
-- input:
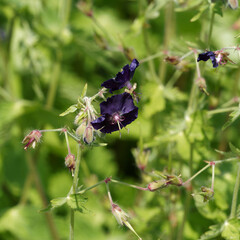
(116, 118)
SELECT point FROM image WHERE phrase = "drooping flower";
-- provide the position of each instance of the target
(32, 139)
(122, 78)
(117, 112)
(208, 55)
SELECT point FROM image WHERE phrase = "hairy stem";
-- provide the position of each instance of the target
(74, 188)
(235, 194)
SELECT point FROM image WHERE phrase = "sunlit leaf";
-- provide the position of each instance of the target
(71, 109)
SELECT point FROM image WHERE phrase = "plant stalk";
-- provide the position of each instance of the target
(235, 195)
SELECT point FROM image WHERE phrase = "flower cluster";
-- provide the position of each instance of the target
(118, 110)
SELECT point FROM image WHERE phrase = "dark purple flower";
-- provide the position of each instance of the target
(208, 55)
(122, 78)
(117, 112)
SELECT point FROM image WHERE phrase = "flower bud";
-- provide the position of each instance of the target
(156, 185)
(174, 180)
(122, 218)
(141, 157)
(81, 129)
(70, 162)
(88, 135)
(31, 139)
(201, 83)
(207, 193)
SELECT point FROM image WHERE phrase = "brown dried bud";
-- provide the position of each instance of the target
(174, 60)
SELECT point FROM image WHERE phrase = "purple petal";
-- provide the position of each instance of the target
(121, 104)
(122, 77)
(118, 103)
(208, 55)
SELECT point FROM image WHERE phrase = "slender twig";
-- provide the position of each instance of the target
(68, 146)
(129, 185)
(109, 194)
(91, 187)
(196, 174)
(221, 110)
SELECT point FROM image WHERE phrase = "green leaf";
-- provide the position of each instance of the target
(84, 91)
(233, 117)
(231, 229)
(76, 202)
(54, 203)
(234, 149)
(71, 109)
(153, 8)
(202, 9)
(214, 231)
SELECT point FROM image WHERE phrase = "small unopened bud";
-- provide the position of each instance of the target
(122, 218)
(88, 135)
(81, 129)
(141, 157)
(207, 193)
(70, 162)
(174, 180)
(32, 139)
(156, 185)
(174, 60)
(233, 4)
(201, 83)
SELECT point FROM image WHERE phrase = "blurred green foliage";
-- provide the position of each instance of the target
(50, 49)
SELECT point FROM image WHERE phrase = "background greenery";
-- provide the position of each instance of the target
(50, 49)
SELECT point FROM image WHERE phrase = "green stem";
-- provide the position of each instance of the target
(196, 174)
(149, 58)
(68, 146)
(174, 79)
(54, 81)
(109, 194)
(91, 187)
(211, 25)
(168, 34)
(192, 99)
(148, 50)
(213, 176)
(235, 195)
(6, 73)
(129, 185)
(221, 110)
(188, 197)
(74, 188)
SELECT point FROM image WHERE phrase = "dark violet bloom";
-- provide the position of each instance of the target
(122, 78)
(208, 55)
(117, 112)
